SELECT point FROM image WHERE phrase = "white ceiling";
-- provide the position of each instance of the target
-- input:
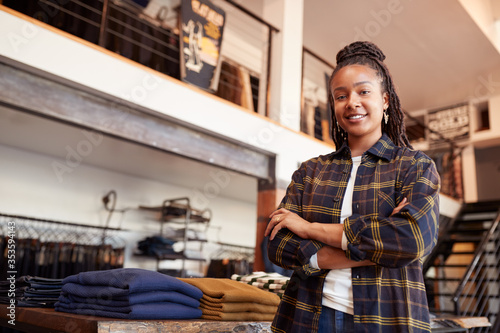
(436, 53)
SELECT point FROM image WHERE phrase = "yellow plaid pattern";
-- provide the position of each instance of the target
(389, 296)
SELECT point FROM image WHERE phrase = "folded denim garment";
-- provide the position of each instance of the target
(129, 293)
(29, 292)
(32, 291)
(42, 281)
(137, 298)
(42, 286)
(123, 281)
(162, 310)
(36, 302)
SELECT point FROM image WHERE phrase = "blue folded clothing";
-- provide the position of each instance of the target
(128, 280)
(132, 299)
(102, 292)
(31, 292)
(129, 293)
(162, 310)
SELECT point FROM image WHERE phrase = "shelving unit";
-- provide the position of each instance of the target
(186, 223)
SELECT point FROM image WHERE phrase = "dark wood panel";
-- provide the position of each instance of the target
(26, 90)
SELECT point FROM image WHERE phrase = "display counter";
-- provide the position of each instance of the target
(41, 320)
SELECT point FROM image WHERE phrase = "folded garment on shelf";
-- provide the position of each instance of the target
(225, 299)
(31, 291)
(227, 291)
(262, 277)
(269, 286)
(132, 299)
(36, 302)
(237, 316)
(272, 282)
(156, 246)
(42, 283)
(119, 306)
(124, 281)
(129, 293)
(162, 310)
(238, 307)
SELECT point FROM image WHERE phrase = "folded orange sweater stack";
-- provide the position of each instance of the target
(226, 299)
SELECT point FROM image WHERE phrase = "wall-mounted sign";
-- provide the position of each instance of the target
(201, 37)
(452, 124)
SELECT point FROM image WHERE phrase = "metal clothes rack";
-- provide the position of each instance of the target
(179, 211)
(228, 259)
(47, 230)
(233, 251)
(56, 249)
(30, 218)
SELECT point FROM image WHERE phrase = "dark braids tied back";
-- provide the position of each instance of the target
(368, 54)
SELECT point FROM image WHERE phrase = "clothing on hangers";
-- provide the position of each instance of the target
(52, 250)
(229, 260)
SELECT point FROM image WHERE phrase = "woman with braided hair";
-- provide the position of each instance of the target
(355, 224)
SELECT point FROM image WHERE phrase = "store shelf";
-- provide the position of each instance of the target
(179, 212)
(176, 212)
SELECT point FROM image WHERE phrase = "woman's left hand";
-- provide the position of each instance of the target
(283, 218)
(397, 209)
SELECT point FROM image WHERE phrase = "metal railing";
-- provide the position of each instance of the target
(316, 114)
(152, 38)
(478, 293)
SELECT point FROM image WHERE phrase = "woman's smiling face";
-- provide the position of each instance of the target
(359, 102)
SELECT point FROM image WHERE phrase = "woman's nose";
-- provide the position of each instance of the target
(353, 101)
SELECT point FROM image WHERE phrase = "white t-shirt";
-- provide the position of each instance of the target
(337, 290)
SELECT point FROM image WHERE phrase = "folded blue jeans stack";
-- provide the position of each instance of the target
(31, 291)
(129, 293)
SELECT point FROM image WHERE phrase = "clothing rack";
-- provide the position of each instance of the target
(56, 249)
(233, 251)
(29, 218)
(230, 259)
(50, 230)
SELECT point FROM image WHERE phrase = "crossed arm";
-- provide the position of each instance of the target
(330, 256)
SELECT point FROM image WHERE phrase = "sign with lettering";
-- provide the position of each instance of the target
(201, 37)
(451, 124)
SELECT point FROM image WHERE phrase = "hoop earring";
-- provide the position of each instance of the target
(386, 116)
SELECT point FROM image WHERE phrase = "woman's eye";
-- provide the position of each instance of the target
(340, 97)
(364, 92)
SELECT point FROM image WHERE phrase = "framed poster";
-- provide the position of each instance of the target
(451, 124)
(202, 26)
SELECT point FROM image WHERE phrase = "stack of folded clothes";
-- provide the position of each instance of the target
(225, 299)
(31, 291)
(158, 246)
(273, 282)
(129, 293)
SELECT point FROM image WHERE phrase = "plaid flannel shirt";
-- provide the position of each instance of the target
(389, 296)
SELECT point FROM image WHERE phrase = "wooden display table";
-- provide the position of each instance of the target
(42, 320)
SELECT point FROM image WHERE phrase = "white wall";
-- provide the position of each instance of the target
(30, 188)
(80, 62)
(28, 185)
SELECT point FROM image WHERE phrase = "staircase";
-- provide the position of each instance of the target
(462, 274)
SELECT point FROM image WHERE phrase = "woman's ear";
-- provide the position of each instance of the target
(385, 96)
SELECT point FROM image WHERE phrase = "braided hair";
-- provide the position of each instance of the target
(368, 54)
